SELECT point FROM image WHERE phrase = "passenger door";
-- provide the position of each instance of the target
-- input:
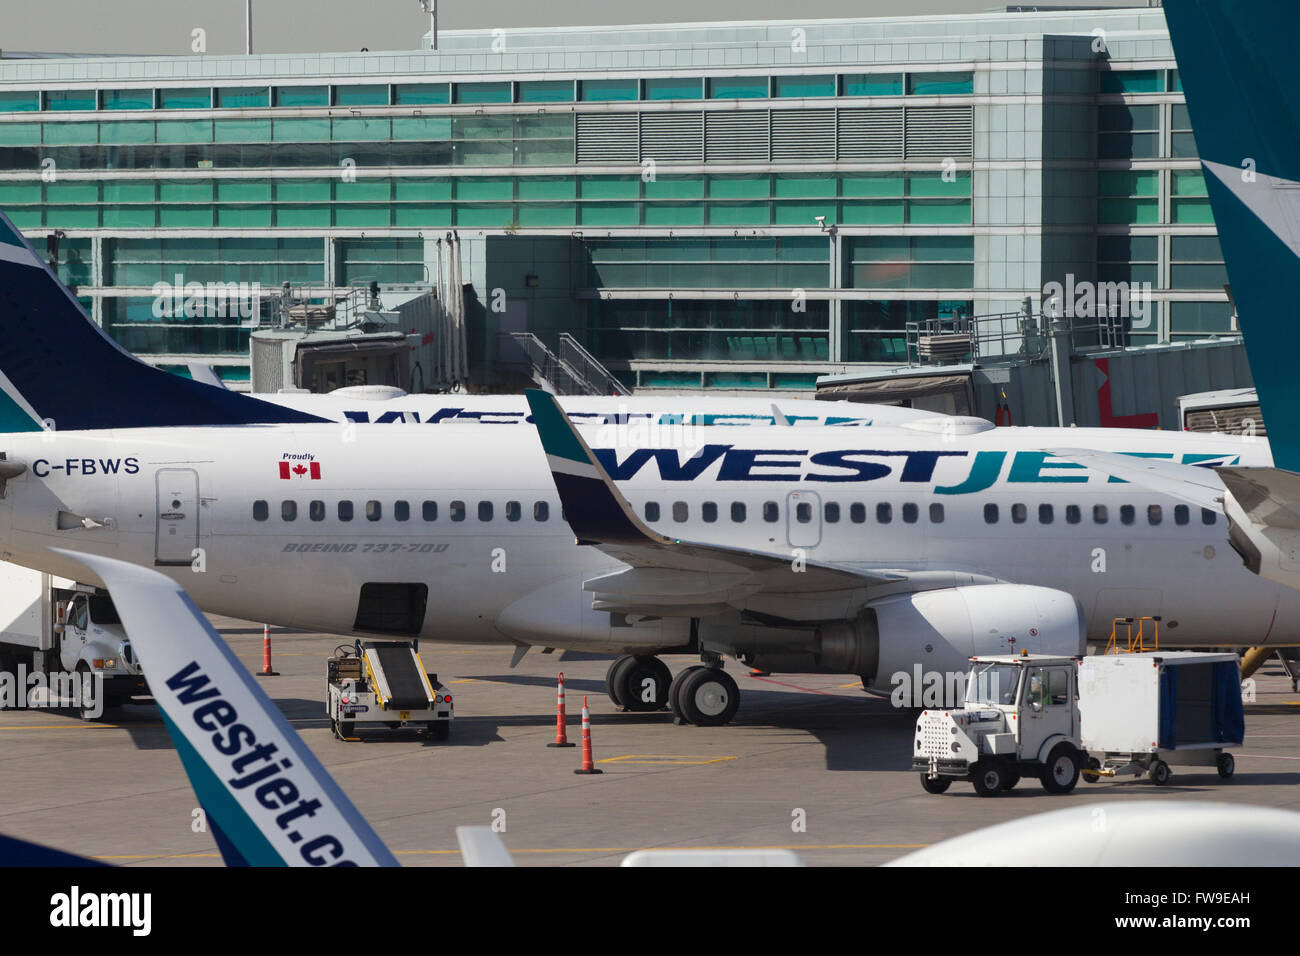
(803, 517)
(177, 525)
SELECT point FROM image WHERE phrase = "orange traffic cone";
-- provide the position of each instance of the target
(561, 737)
(588, 765)
(266, 670)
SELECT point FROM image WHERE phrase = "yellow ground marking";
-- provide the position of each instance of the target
(666, 759)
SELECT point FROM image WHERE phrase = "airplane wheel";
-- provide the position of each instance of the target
(642, 684)
(675, 693)
(1226, 765)
(1061, 772)
(709, 697)
(609, 679)
(935, 784)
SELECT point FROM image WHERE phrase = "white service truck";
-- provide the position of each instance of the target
(52, 627)
(1020, 719)
(1103, 716)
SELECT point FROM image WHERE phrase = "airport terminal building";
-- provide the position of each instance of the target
(727, 206)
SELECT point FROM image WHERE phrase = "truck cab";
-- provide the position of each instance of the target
(1020, 718)
(91, 639)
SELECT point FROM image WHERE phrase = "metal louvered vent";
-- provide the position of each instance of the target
(607, 138)
(871, 134)
(735, 137)
(803, 135)
(672, 137)
(939, 132)
(1230, 421)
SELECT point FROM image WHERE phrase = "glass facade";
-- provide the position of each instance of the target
(767, 216)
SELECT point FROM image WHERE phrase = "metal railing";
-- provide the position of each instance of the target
(575, 372)
(588, 369)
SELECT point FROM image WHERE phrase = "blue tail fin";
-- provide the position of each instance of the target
(1237, 64)
(58, 370)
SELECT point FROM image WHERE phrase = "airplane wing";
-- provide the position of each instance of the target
(1270, 497)
(266, 796)
(1195, 484)
(699, 574)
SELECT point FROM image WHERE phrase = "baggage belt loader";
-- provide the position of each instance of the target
(373, 684)
(1054, 718)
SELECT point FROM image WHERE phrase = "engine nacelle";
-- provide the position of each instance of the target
(917, 647)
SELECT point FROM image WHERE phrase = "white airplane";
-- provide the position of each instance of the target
(882, 552)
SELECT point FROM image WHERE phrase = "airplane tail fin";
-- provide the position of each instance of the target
(58, 370)
(265, 795)
(1237, 65)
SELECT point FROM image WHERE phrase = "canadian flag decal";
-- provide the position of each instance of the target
(289, 470)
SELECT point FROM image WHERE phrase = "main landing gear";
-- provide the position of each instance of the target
(703, 694)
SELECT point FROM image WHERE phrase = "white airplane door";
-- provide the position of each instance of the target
(803, 519)
(177, 526)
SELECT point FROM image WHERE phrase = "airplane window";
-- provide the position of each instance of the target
(457, 511)
(832, 512)
(374, 511)
(738, 511)
(402, 510)
(288, 510)
(803, 512)
(1208, 517)
(1182, 514)
(485, 511)
(1154, 514)
(709, 511)
(429, 511)
(936, 513)
(770, 511)
(1127, 514)
(316, 511)
(857, 513)
(514, 511)
(1046, 514)
(884, 513)
(910, 513)
(345, 511)
(1019, 514)
(1100, 515)
(541, 511)
(1072, 514)
(652, 511)
(260, 511)
(990, 514)
(680, 511)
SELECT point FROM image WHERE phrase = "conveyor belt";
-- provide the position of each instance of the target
(398, 675)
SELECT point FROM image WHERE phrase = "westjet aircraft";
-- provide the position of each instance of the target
(879, 552)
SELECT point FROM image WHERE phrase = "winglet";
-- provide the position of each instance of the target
(266, 796)
(595, 509)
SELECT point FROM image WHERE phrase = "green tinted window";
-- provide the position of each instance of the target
(545, 91)
(20, 134)
(421, 94)
(934, 84)
(19, 101)
(126, 132)
(366, 94)
(302, 96)
(70, 100)
(184, 99)
(128, 99)
(422, 127)
(352, 128)
(1133, 81)
(313, 130)
(241, 97)
(873, 84)
(805, 85)
(691, 88)
(482, 92)
(607, 90)
(184, 131)
(737, 87)
(242, 131)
